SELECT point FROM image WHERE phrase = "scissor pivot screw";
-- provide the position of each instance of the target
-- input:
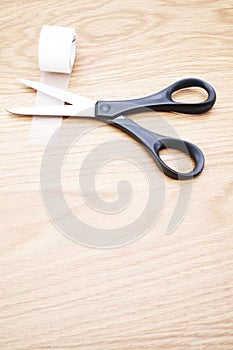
(105, 108)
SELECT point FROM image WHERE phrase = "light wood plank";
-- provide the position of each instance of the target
(163, 291)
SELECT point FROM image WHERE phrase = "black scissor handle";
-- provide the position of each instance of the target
(161, 101)
(154, 143)
(189, 108)
(184, 146)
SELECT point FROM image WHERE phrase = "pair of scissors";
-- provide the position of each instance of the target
(112, 112)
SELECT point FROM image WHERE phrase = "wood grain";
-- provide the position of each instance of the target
(163, 291)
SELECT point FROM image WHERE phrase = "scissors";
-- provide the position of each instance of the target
(112, 112)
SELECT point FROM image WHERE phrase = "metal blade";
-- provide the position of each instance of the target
(60, 94)
(62, 111)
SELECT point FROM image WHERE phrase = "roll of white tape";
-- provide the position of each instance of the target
(56, 49)
(56, 55)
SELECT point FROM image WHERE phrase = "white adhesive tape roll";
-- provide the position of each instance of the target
(56, 55)
(56, 49)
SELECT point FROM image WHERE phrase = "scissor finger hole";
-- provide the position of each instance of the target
(177, 160)
(190, 95)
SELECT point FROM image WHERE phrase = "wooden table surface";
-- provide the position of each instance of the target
(162, 291)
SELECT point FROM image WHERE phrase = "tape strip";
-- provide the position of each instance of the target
(56, 54)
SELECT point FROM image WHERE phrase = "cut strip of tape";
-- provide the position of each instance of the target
(56, 54)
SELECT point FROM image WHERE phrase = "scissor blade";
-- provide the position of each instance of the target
(60, 94)
(62, 111)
